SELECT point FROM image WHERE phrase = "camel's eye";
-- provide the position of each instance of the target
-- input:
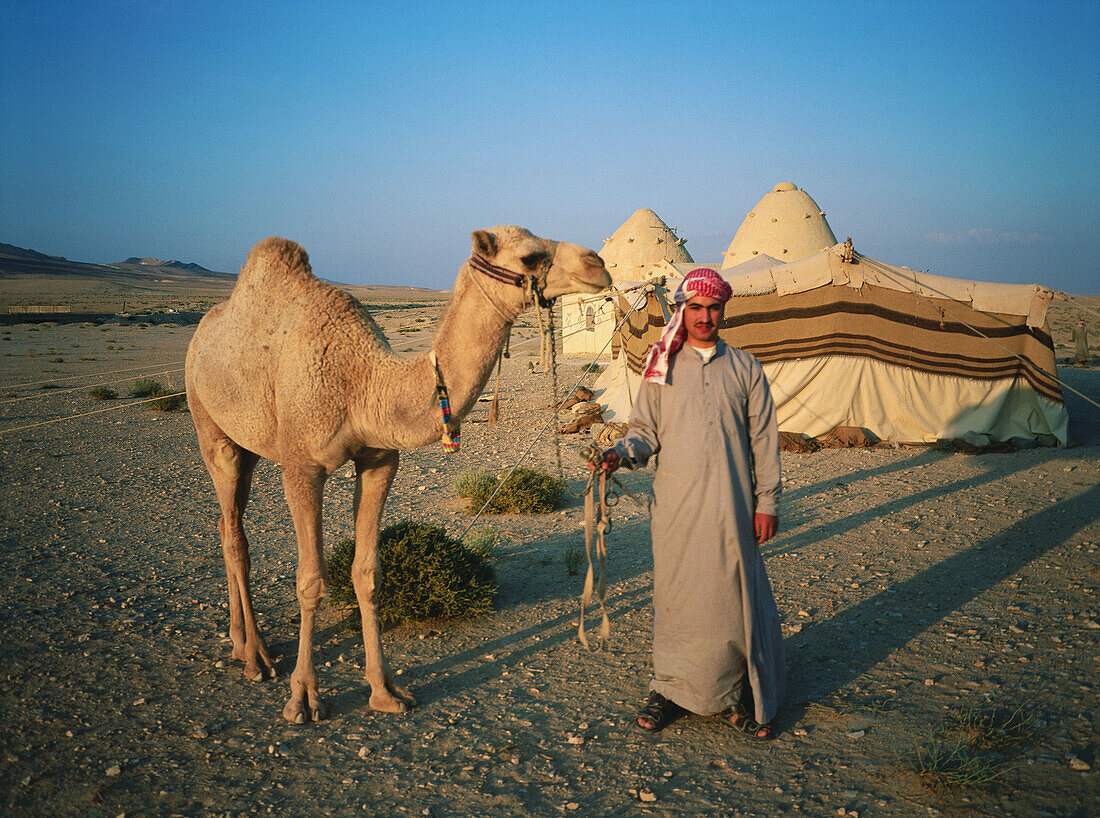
(532, 260)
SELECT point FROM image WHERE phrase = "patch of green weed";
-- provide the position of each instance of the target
(526, 491)
(424, 574)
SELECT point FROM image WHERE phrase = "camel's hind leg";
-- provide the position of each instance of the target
(374, 476)
(231, 468)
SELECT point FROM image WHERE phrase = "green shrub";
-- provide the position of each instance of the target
(103, 393)
(526, 492)
(593, 368)
(169, 403)
(425, 574)
(148, 388)
(575, 555)
(484, 542)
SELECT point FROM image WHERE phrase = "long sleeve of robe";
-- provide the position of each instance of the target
(715, 626)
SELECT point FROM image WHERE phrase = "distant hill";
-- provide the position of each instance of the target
(175, 265)
(27, 271)
(21, 262)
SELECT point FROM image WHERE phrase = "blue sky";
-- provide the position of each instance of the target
(962, 138)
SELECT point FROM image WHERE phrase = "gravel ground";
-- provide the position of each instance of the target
(919, 590)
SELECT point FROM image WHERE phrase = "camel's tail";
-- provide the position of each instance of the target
(274, 262)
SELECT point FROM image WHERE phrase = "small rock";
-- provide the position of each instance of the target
(572, 805)
(796, 627)
(1015, 629)
(364, 751)
(1092, 623)
(25, 780)
(648, 796)
(114, 770)
(140, 701)
(929, 682)
(856, 733)
(804, 614)
(577, 740)
(800, 731)
(200, 732)
(1076, 763)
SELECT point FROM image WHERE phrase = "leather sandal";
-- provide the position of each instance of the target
(659, 712)
(742, 720)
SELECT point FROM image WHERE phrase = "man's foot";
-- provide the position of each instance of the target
(658, 713)
(741, 719)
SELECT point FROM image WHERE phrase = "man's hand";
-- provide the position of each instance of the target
(766, 526)
(610, 462)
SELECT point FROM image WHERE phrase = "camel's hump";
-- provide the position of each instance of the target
(276, 259)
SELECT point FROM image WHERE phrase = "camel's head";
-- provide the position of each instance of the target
(559, 267)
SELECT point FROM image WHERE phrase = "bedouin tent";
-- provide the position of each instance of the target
(643, 241)
(846, 340)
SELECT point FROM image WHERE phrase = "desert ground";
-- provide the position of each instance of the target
(937, 608)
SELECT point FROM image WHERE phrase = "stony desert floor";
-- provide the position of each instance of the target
(932, 602)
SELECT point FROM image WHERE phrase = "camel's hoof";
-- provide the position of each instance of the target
(258, 674)
(397, 702)
(298, 712)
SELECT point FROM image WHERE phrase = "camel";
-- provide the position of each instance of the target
(292, 369)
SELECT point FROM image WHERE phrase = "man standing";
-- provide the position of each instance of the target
(1080, 344)
(706, 410)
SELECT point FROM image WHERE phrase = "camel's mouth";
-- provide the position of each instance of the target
(585, 274)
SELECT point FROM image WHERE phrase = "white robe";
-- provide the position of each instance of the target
(715, 620)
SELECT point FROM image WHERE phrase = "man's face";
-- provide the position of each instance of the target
(701, 317)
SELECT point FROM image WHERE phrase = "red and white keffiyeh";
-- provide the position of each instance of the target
(701, 282)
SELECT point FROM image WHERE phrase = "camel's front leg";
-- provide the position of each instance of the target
(374, 476)
(304, 488)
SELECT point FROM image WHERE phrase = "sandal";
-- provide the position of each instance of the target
(741, 719)
(659, 712)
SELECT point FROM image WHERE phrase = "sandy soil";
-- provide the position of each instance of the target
(916, 587)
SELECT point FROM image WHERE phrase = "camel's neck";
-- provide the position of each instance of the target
(471, 335)
(401, 409)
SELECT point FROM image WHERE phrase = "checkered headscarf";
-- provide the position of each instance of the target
(702, 282)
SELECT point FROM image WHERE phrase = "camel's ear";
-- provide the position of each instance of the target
(485, 243)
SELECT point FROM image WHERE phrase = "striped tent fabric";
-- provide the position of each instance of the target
(846, 340)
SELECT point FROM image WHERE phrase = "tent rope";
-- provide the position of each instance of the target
(93, 412)
(52, 392)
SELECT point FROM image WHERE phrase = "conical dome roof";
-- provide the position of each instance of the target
(786, 224)
(642, 241)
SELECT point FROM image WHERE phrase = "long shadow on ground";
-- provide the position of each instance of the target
(831, 654)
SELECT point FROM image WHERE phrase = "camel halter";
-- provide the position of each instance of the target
(532, 283)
